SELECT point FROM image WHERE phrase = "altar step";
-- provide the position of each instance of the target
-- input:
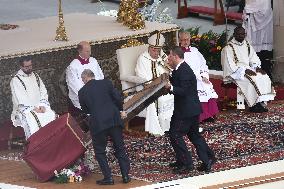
(266, 175)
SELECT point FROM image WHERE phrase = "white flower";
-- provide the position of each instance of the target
(112, 13)
(56, 173)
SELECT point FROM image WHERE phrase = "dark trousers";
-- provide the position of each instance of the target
(100, 143)
(202, 149)
(178, 129)
(189, 127)
(265, 58)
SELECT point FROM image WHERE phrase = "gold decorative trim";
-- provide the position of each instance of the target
(34, 52)
(68, 115)
(36, 118)
(254, 84)
(132, 43)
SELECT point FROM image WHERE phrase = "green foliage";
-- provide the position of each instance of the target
(210, 45)
(62, 178)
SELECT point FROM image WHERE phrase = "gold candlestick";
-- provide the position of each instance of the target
(60, 31)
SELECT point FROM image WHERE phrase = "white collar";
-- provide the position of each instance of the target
(179, 64)
(23, 74)
(234, 41)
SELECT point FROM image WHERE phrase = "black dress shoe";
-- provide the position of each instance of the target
(175, 164)
(126, 179)
(183, 169)
(210, 119)
(207, 166)
(104, 181)
(258, 108)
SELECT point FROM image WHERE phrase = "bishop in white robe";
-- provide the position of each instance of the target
(151, 64)
(31, 108)
(242, 66)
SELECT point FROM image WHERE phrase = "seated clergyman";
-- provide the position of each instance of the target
(31, 109)
(242, 66)
(150, 65)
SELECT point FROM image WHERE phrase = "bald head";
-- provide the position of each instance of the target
(84, 49)
(184, 39)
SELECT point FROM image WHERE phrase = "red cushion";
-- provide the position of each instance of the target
(234, 16)
(201, 10)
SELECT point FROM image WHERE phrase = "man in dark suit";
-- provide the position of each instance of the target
(185, 119)
(104, 104)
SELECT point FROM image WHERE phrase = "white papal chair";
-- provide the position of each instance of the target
(127, 60)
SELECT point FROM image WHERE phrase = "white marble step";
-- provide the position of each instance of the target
(226, 177)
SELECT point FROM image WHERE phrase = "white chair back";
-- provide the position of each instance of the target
(127, 60)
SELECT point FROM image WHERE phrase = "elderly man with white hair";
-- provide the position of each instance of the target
(151, 64)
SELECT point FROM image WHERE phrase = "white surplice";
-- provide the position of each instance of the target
(157, 120)
(73, 77)
(236, 57)
(197, 63)
(29, 92)
(258, 22)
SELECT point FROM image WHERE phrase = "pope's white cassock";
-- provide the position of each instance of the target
(29, 92)
(197, 63)
(157, 119)
(236, 57)
(258, 22)
(73, 76)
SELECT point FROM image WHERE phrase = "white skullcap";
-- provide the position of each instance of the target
(156, 40)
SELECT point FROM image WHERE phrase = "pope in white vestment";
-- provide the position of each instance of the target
(242, 65)
(75, 69)
(150, 65)
(197, 63)
(31, 109)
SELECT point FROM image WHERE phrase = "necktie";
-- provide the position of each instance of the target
(83, 61)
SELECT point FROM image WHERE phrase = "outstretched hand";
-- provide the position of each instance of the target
(123, 114)
(205, 80)
(260, 71)
(168, 85)
(40, 109)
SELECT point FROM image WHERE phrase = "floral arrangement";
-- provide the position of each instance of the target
(209, 45)
(104, 12)
(151, 13)
(112, 13)
(74, 174)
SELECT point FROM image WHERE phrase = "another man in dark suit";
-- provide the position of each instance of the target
(185, 119)
(103, 102)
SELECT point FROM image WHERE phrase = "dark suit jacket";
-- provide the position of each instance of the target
(100, 99)
(186, 101)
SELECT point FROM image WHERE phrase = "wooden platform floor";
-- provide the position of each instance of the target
(18, 173)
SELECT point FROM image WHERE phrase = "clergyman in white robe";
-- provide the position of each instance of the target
(236, 57)
(28, 93)
(258, 22)
(158, 114)
(205, 90)
(73, 76)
